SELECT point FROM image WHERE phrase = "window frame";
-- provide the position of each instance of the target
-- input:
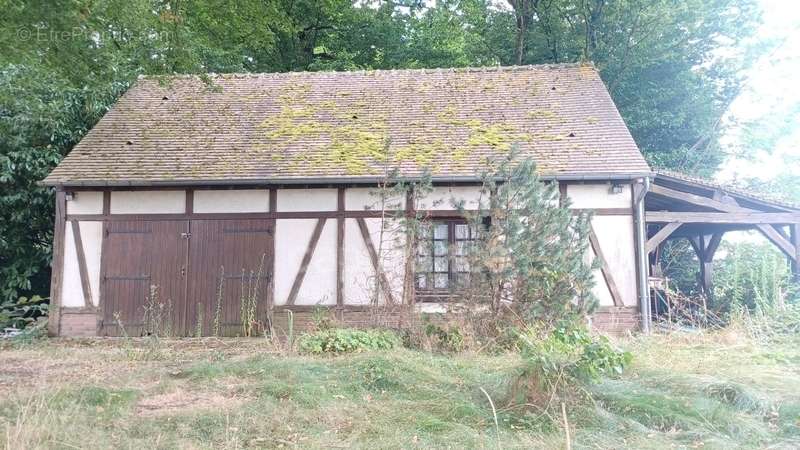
(433, 294)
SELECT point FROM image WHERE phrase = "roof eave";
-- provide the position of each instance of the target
(594, 176)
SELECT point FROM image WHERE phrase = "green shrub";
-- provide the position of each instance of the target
(22, 312)
(573, 351)
(347, 340)
(447, 339)
(558, 364)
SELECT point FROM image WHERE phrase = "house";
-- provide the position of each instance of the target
(204, 192)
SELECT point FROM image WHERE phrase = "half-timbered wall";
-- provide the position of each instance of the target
(612, 225)
(323, 238)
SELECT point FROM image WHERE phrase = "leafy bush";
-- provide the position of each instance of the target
(448, 339)
(347, 340)
(23, 312)
(558, 363)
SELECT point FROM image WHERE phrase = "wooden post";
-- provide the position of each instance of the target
(340, 247)
(795, 237)
(57, 266)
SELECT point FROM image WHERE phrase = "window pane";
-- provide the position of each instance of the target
(440, 231)
(440, 281)
(462, 248)
(440, 264)
(462, 231)
(424, 248)
(440, 248)
(424, 264)
(422, 281)
(461, 264)
(461, 280)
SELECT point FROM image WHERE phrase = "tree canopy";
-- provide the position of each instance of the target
(672, 67)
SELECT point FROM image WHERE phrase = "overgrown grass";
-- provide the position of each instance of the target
(690, 391)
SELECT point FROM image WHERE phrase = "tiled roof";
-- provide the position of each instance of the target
(336, 126)
(728, 188)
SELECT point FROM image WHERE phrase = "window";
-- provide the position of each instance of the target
(442, 257)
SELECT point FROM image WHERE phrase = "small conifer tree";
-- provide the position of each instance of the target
(530, 258)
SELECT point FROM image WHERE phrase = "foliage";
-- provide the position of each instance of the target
(529, 257)
(559, 364)
(347, 340)
(22, 313)
(448, 337)
(753, 276)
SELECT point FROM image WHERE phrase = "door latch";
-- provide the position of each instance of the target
(183, 271)
(186, 235)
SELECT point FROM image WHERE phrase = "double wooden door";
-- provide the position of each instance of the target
(185, 276)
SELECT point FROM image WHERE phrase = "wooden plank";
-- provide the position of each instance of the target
(661, 235)
(562, 193)
(82, 269)
(382, 280)
(697, 200)
(604, 268)
(301, 273)
(340, 223)
(57, 266)
(752, 218)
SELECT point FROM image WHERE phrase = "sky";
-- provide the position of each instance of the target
(773, 85)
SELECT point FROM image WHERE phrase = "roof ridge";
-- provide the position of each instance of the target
(469, 69)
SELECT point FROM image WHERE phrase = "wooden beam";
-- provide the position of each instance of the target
(382, 280)
(604, 268)
(779, 240)
(57, 266)
(340, 223)
(751, 218)
(713, 245)
(718, 202)
(301, 273)
(82, 268)
(271, 207)
(661, 235)
(562, 193)
(794, 233)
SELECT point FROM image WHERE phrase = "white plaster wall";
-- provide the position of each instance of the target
(441, 198)
(598, 196)
(359, 275)
(148, 202)
(615, 236)
(290, 200)
(291, 241)
(85, 202)
(231, 201)
(361, 199)
(71, 287)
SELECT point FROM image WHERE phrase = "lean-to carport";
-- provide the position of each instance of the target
(677, 206)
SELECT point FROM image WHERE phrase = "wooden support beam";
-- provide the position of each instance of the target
(751, 218)
(340, 207)
(373, 255)
(605, 270)
(779, 240)
(57, 266)
(82, 268)
(661, 235)
(272, 207)
(794, 233)
(301, 273)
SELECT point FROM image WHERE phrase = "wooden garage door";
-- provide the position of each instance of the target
(229, 263)
(139, 257)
